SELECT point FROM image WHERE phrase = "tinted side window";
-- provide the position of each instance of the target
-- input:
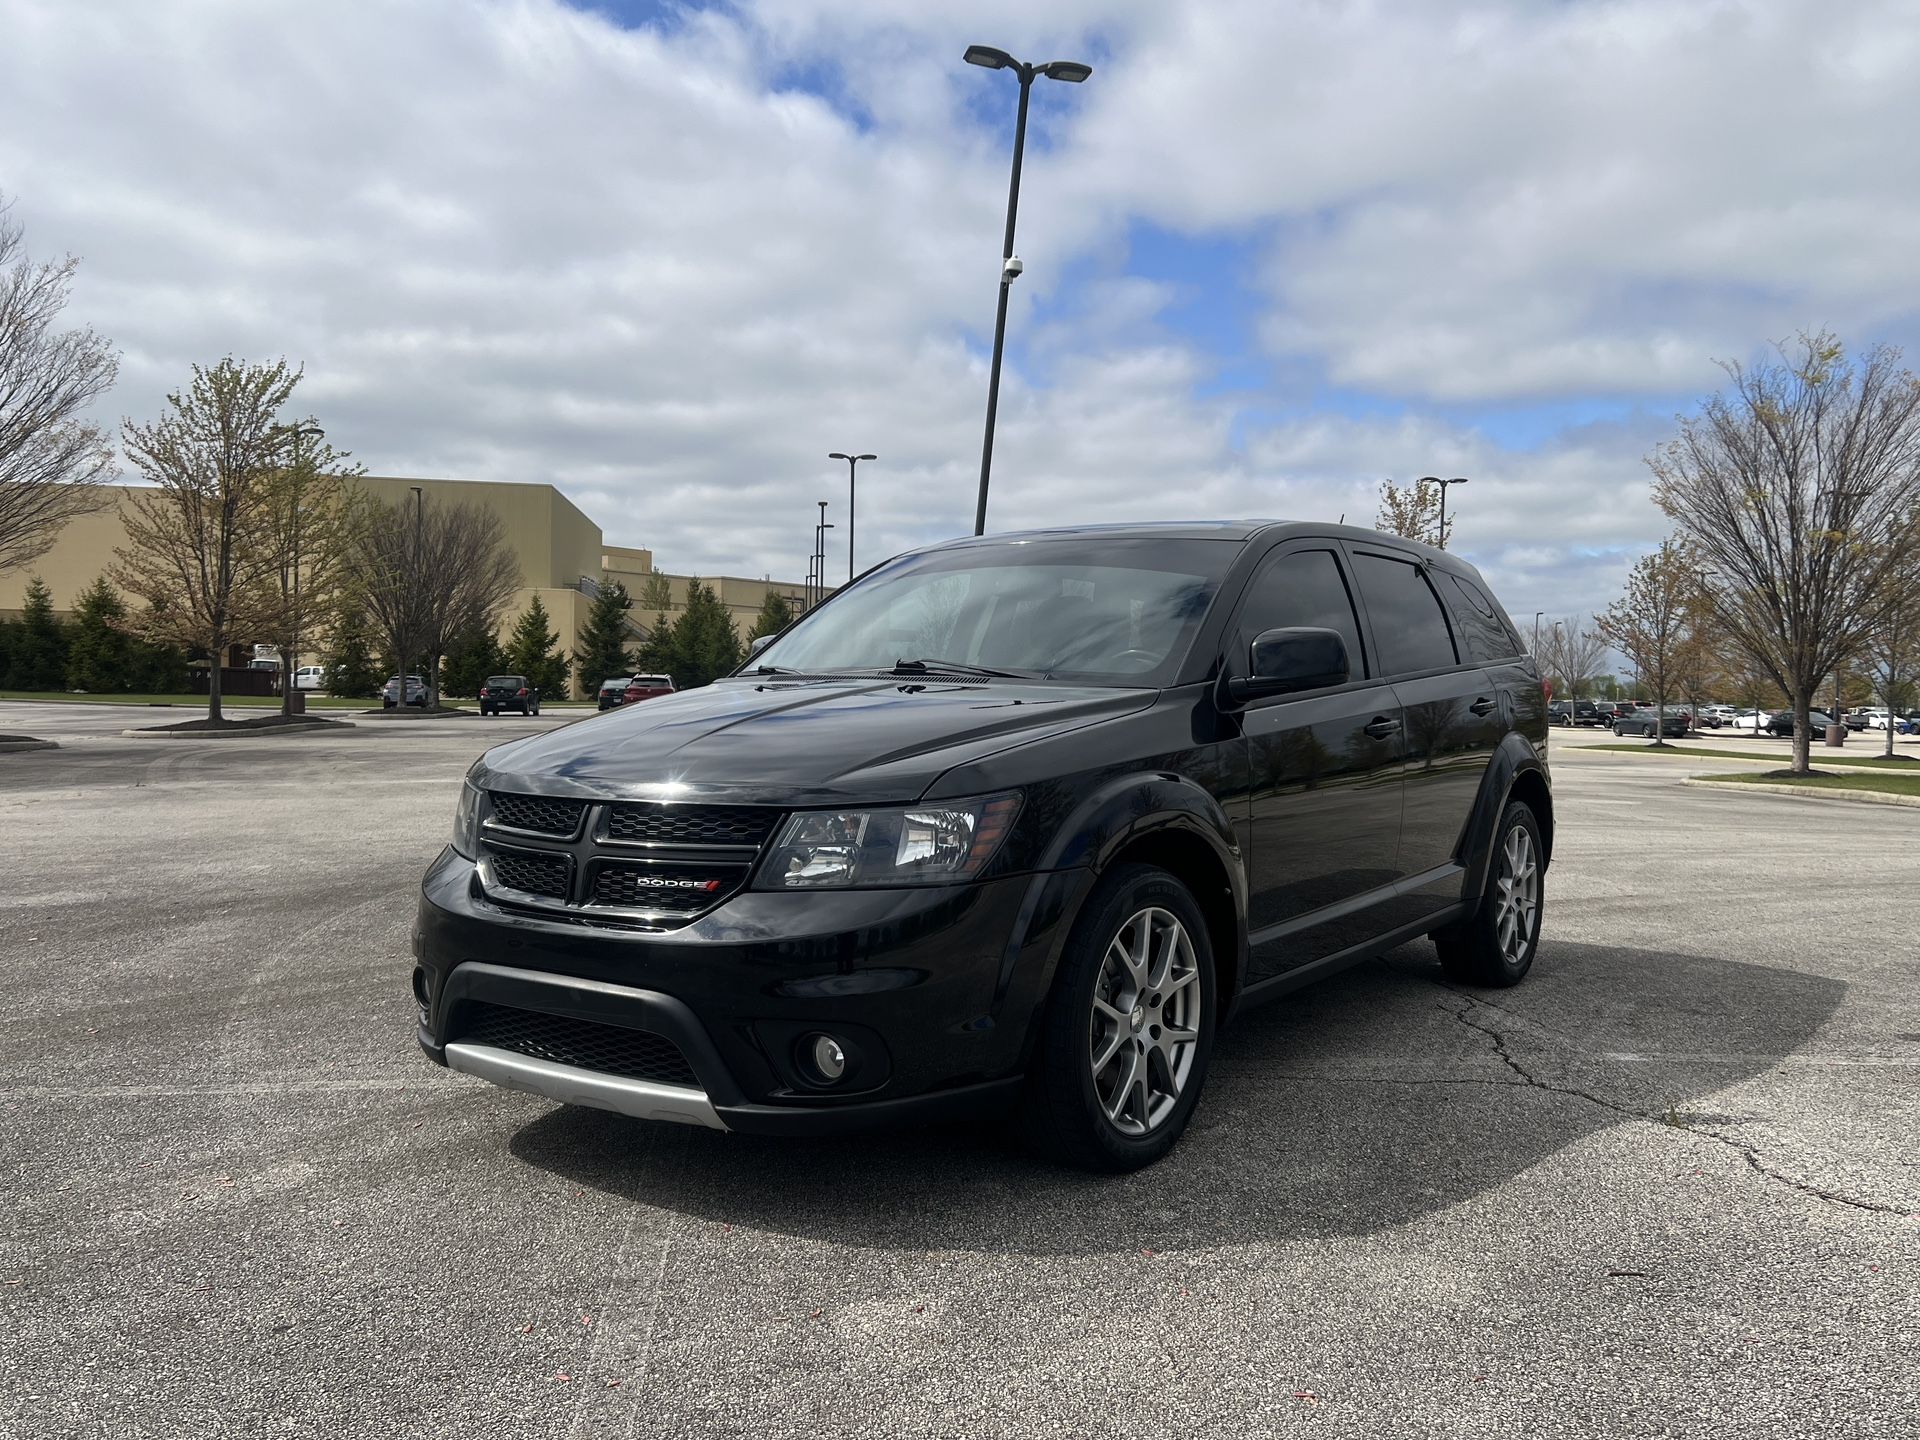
(1303, 588)
(1408, 622)
(1481, 625)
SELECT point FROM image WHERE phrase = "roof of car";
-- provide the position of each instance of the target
(1231, 530)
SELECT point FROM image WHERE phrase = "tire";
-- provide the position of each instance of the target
(1618, 733)
(1482, 950)
(1091, 1114)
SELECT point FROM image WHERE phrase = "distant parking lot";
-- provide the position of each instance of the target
(1668, 1186)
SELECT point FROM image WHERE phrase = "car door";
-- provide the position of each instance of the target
(1453, 712)
(1324, 812)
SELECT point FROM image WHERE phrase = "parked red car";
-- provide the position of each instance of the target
(647, 687)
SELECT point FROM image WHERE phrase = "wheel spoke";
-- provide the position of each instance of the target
(1105, 1057)
(1117, 1106)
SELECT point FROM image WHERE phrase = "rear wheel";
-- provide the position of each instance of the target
(1495, 945)
(1128, 1031)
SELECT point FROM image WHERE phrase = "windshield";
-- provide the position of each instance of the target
(503, 681)
(1118, 611)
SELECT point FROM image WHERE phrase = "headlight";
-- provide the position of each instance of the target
(466, 821)
(913, 845)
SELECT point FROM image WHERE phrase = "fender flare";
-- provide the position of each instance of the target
(1514, 758)
(1127, 808)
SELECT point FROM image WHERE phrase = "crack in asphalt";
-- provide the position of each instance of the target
(1749, 1152)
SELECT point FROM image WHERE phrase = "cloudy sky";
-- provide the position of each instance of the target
(666, 256)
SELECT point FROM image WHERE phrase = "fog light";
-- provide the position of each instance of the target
(827, 1059)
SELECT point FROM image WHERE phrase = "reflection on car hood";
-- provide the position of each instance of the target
(796, 741)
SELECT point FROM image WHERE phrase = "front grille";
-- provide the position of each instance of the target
(532, 874)
(610, 1049)
(690, 824)
(539, 813)
(675, 891)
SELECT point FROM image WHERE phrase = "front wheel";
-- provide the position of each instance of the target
(1128, 1030)
(1495, 945)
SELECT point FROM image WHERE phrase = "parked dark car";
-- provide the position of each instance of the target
(416, 692)
(509, 692)
(1673, 721)
(647, 687)
(613, 692)
(1574, 712)
(1782, 723)
(1016, 821)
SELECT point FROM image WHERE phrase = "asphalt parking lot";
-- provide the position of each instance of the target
(1669, 1186)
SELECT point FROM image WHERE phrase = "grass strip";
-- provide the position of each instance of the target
(1884, 784)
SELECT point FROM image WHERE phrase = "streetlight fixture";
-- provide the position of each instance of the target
(1443, 484)
(853, 462)
(1071, 72)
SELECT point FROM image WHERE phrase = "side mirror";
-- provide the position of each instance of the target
(757, 644)
(1280, 662)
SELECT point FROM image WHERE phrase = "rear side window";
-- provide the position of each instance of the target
(1481, 625)
(1409, 624)
(1301, 588)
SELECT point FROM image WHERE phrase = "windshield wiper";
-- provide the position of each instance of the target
(957, 667)
(773, 670)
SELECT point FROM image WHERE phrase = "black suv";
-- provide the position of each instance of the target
(1018, 819)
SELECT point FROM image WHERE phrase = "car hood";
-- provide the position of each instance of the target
(796, 741)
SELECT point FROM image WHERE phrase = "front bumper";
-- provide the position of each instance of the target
(932, 991)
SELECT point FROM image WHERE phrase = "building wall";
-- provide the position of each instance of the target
(556, 545)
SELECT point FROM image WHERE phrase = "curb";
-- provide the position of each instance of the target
(6, 745)
(262, 733)
(1804, 792)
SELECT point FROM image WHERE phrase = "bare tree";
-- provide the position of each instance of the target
(383, 571)
(468, 575)
(1892, 652)
(1652, 621)
(309, 528)
(51, 459)
(428, 574)
(201, 552)
(1792, 486)
(1573, 652)
(1412, 512)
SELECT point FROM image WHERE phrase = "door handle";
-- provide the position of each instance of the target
(1381, 726)
(1483, 706)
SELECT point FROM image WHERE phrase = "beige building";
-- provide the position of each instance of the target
(563, 557)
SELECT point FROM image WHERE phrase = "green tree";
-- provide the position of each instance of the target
(154, 667)
(530, 652)
(776, 613)
(38, 652)
(701, 644)
(97, 641)
(470, 660)
(351, 669)
(603, 639)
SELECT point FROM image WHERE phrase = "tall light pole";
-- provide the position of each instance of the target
(853, 462)
(413, 580)
(820, 548)
(1443, 484)
(1072, 72)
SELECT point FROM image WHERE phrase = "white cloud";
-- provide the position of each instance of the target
(511, 240)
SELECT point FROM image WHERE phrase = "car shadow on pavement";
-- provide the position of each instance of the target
(1377, 1097)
